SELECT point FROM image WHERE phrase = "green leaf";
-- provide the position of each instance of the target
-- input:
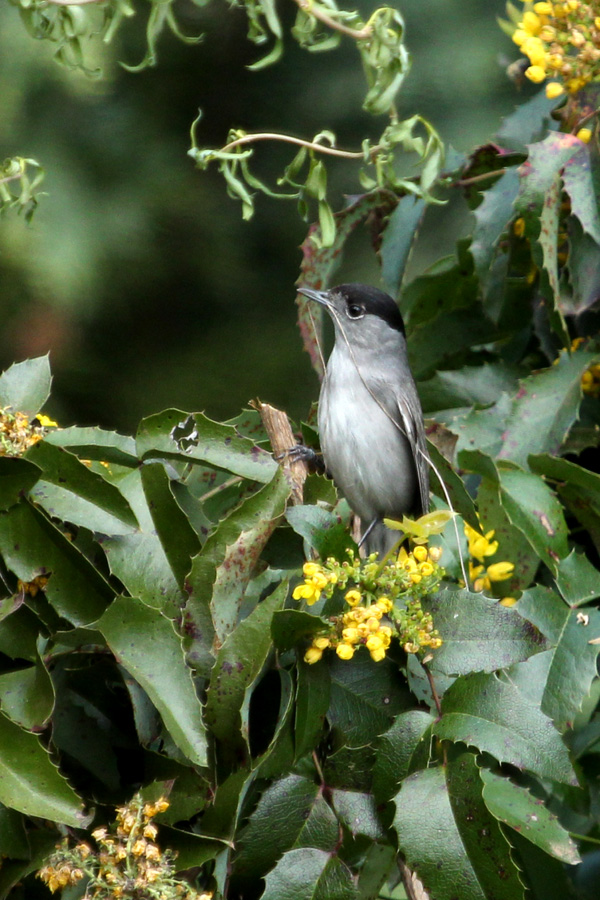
(515, 806)
(577, 579)
(221, 571)
(365, 697)
(178, 539)
(493, 216)
(545, 408)
(94, 443)
(398, 237)
(445, 867)
(139, 560)
(490, 713)
(322, 530)
(17, 477)
(528, 502)
(404, 747)
(479, 634)
(573, 667)
(312, 703)
(145, 642)
(468, 386)
(578, 182)
(484, 841)
(577, 487)
(27, 696)
(25, 386)
(358, 813)
(309, 874)
(442, 473)
(529, 122)
(287, 811)
(31, 546)
(292, 627)
(379, 863)
(13, 838)
(174, 434)
(68, 490)
(584, 271)
(239, 662)
(31, 783)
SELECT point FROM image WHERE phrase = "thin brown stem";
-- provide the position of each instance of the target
(11, 178)
(434, 693)
(286, 138)
(464, 182)
(318, 13)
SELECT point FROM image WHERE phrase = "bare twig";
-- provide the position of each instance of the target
(277, 426)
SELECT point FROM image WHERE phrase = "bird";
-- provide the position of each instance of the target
(370, 418)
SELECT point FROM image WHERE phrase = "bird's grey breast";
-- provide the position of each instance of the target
(362, 438)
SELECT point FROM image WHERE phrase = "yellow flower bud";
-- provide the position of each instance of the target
(415, 577)
(313, 655)
(535, 74)
(311, 568)
(554, 90)
(435, 554)
(345, 651)
(585, 135)
(372, 623)
(321, 643)
(426, 569)
(378, 655)
(519, 36)
(543, 9)
(420, 553)
(534, 48)
(508, 601)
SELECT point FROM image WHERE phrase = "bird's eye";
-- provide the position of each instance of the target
(355, 311)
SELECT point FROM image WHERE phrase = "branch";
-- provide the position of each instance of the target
(279, 432)
(286, 138)
(74, 2)
(311, 10)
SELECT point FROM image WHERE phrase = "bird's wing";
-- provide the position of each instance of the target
(411, 417)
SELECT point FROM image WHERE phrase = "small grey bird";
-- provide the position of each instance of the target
(370, 418)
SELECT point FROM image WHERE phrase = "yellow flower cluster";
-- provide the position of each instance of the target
(32, 587)
(315, 581)
(18, 434)
(590, 381)
(481, 546)
(128, 864)
(561, 40)
(384, 604)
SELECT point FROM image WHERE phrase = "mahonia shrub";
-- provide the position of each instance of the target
(205, 690)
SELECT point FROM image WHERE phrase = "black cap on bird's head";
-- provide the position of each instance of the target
(357, 301)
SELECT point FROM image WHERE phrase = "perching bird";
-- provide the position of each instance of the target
(370, 418)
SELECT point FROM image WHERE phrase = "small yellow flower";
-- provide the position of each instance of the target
(311, 568)
(554, 90)
(139, 847)
(374, 642)
(519, 227)
(313, 655)
(351, 635)
(535, 74)
(585, 135)
(378, 655)
(420, 553)
(426, 569)
(306, 592)
(385, 604)
(531, 23)
(150, 831)
(508, 601)
(352, 598)
(345, 651)
(500, 571)
(543, 9)
(46, 421)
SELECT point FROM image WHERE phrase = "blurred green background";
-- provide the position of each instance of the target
(137, 272)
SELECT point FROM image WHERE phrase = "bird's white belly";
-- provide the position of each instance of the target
(364, 450)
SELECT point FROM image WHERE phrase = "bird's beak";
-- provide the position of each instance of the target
(321, 297)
